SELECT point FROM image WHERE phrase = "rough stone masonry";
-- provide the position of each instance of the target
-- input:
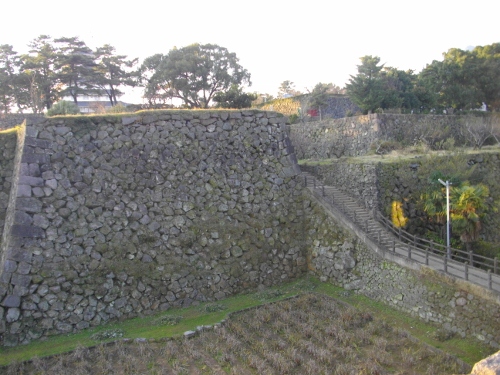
(112, 216)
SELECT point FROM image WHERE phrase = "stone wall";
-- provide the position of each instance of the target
(116, 216)
(7, 153)
(338, 256)
(119, 216)
(358, 180)
(339, 107)
(336, 106)
(12, 119)
(354, 136)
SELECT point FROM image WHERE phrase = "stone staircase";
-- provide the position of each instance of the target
(351, 209)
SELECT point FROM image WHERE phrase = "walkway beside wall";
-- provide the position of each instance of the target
(376, 236)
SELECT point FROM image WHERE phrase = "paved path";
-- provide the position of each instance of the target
(335, 200)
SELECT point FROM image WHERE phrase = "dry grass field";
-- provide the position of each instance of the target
(307, 334)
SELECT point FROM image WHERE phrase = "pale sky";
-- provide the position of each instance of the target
(305, 42)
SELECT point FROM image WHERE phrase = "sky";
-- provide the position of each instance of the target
(305, 42)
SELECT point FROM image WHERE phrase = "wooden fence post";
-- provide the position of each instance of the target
(466, 269)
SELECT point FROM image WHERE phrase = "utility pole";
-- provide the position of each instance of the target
(447, 184)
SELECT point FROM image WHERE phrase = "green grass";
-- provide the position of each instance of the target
(469, 350)
(408, 153)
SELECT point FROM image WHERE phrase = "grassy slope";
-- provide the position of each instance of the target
(469, 350)
(407, 154)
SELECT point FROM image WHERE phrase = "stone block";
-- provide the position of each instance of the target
(31, 181)
(28, 231)
(21, 280)
(64, 327)
(40, 143)
(35, 158)
(32, 205)
(488, 366)
(10, 266)
(11, 301)
(21, 217)
(129, 120)
(24, 191)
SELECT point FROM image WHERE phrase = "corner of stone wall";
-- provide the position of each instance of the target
(9, 299)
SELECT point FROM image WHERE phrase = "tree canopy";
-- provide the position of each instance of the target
(75, 66)
(193, 74)
(463, 80)
(112, 71)
(57, 68)
(234, 98)
(8, 62)
(201, 75)
(287, 88)
(376, 86)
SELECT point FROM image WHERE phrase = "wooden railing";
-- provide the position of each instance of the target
(474, 260)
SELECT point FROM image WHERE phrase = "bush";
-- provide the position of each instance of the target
(63, 108)
(293, 119)
(119, 108)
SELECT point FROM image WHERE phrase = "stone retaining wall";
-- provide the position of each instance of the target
(360, 181)
(354, 136)
(120, 216)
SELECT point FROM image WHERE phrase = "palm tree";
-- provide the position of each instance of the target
(469, 203)
(434, 204)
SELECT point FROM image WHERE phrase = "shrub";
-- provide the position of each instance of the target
(293, 119)
(63, 108)
(443, 335)
(119, 108)
(399, 220)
